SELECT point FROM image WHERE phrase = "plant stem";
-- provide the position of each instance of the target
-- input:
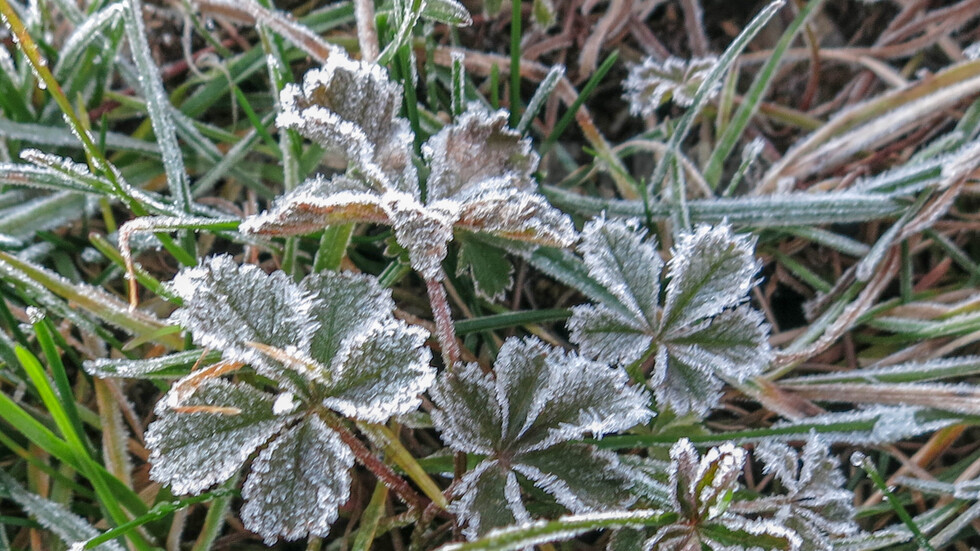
(375, 465)
(445, 331)
(367, 34)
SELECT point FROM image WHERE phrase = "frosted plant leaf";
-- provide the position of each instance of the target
(703, 489)
(351, 107)
(381, 373)
(337, 346)
(317, 203)
(653, 83)
(699, 336)
(711, 269)
(476, 152)
(220, 426)
(815, 505)
(481, 173)
(527, 417)
(297, 483)
(226, 306)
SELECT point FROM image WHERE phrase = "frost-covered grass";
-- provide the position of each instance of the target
(419, 275)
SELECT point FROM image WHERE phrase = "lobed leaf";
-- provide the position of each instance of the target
(653, 83)
(226, 306)
(297, 483)
(210, 435)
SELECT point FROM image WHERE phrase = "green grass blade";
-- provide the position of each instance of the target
(733, 131)
(510, 319)
(544, 531)
(701, 97)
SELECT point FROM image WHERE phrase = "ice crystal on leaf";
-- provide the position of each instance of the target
(525, 417)
(480, 181)
(653, 83)
(699, 335)
(702, 489)
(815, 505)
(329, 341)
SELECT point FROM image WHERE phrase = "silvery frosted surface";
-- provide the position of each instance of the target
(53, 516)
(351, 107)
(481, 171)
(701, 334)
(193, 451)
(297, 483)
(653, 83)
(888, 424)
(333, 343)
(815, 504)
(702, 489)
(526, 417)
(227, 305)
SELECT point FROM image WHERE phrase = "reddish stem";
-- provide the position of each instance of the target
(445, 330)
(384, 473)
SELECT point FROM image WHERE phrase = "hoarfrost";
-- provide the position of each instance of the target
(53, 516)
(700, 335)
(208, 441)
(331, 341)
(528, 419)
(297, 483)
(226, 306)
(481, 171)
(816, 505)
(703, 489)
(653, 83)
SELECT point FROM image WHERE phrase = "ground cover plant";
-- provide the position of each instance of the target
(661, 275)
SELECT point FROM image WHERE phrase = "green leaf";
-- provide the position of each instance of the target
(490, 497)
(210, 434)
(226, 306)
(487, 265)
(297, 483)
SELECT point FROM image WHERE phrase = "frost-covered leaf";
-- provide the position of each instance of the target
(579, 477)
(700, 335)
(711, 269)
(161, 367)
(523, 417)
(381, 373)
(480, 181)
(479, 151)
(227, 305)
(337, 345)
(210, 436)
(703, 489)
(68, 526)
(297, 483)
(816, 505)
(653, 83)
(469, 416)
(489, 497)
(351, 107)
(316, 204)
(487, 266)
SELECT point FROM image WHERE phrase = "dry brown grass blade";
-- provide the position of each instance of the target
(251, 13)
(874, 123)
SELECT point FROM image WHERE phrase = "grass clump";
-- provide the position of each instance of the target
(420, 275)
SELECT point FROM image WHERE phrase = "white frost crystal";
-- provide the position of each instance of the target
(653, 83)
(330, 341)
(526, 417)
(481, 171)
(700, 335)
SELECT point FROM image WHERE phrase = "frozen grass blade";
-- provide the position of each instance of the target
(541, 532)
(157, 105)
(750, 104)
(705, 91)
